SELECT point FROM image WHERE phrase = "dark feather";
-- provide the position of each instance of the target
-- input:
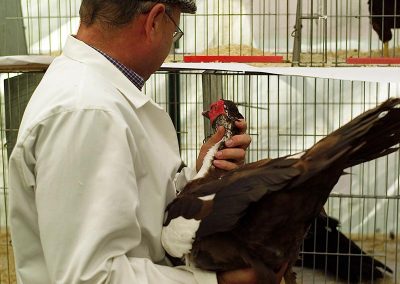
(385, 15)
(262, 211)
(326, 248)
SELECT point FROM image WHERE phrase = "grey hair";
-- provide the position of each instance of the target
(112, 13)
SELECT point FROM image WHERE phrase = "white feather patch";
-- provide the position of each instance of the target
(177, 238)
(207, 197)
(296, 156)
(208, 159)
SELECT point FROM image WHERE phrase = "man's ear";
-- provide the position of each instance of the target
(154, 20)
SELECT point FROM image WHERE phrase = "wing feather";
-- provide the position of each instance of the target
(237, 191)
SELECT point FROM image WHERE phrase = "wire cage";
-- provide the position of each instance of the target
(286, 114)
(290, 32)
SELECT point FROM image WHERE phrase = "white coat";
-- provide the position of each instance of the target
(93, 169)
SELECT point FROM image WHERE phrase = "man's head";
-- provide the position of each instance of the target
(120, 12)
(138, 33)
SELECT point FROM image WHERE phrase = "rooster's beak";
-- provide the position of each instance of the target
(206, 114)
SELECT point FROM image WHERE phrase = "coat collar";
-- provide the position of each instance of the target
(79, 51)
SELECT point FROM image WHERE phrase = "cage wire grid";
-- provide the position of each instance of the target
(303, 32)
(285, 115)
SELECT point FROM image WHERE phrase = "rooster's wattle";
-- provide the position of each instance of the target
(258, 215)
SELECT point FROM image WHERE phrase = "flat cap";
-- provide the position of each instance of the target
(186, 6)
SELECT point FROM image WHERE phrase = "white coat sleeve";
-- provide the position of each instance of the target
(87, 202)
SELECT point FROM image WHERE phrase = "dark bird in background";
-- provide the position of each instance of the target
(327, 249)
(385, 16)
(258, 215)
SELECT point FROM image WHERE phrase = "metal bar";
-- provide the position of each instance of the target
(12, 32)
(297, 35)
(212, 90)
(174, 101)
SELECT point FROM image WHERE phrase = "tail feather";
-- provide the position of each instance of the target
(371, 135)
(380, 133)
(380, 139)
(329, 250)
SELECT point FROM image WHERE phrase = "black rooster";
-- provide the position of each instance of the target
(326, 248)
(385, 16)
(258, 215)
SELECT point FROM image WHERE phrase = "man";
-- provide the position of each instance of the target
(96, 161)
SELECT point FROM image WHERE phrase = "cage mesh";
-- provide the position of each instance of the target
(285, 114)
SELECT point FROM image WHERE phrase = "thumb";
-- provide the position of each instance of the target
(216, 137)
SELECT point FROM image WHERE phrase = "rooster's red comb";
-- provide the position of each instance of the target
(216, 109)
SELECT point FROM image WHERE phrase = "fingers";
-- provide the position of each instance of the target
(239, 276)
(281, 272)
(239, 141)
(242, 125)
(231, 154)
(229, 159)
(234, 154)
(227, 165)
(246, 276)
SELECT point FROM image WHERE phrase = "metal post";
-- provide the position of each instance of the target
(12, 32)
(212, 91)
(17, 92)
(174, 98)
(297, 35)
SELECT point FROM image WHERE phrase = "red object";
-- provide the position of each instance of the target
(233, 58)
(373, 60)
(216, 109)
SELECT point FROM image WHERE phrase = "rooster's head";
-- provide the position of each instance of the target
(225, 108)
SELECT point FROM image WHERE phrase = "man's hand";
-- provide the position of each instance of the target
(233, 155)
(246, 276)
(240, 276)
